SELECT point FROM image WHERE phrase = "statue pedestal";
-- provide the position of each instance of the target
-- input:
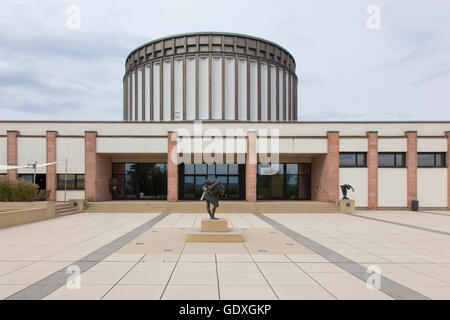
(220, 225)
(214, 231)
(346, 206)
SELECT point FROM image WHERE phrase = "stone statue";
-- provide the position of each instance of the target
(345, 188)
(212, 190)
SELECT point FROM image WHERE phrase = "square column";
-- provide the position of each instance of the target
(98, 170)
(250, 167)
(411, 164)
(372, 172)
(448, 169)
(11, 141)
(332, 166)
(172, 167)
(50, 170)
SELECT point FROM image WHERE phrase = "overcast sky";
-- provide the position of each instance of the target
(346, 71)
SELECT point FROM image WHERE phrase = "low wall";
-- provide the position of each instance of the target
(10, 206)
(32, 214)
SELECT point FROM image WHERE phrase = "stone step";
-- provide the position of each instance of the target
(214, 237)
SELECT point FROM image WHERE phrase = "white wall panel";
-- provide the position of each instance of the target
(253, 90)
(230, 88)
(391, 187)
(131, 145)
(139, 103)
(431, 145)
(30, 150)
(391, 144)
(281, 94)
(216, 88)
(358, 179)
(3, 153)
(74, 150)
(353, 145)
(432, 187)
(310, 145)
(242, 89)
(273, 92)
(203, 90)
(70, 195)
(156, 91)
(264, 84)
(167, 90)
(190, 88)
(286, 92)
(133, 96)
(178, 89)
(147, 92)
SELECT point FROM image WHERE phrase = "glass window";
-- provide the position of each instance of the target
(26, 177)
(347, 159)
(200, 168)
(189, 168)
(233, 169)
(360, 159)
(425, 159)
(431, 159)
(211, 169)
(386, 160)
(352, 159)
(292, 168)
(222, 168)
(391, 160)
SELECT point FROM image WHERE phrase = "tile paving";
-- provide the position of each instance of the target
(144, 256)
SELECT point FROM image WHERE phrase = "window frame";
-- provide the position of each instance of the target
(403, 156)
(355, 164)
(442, 155)
(62, 175)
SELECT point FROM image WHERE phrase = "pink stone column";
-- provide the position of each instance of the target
(172, 167)
(11, 141)
(448, 169)
(250, 167)
(51, 169)
(372, 169)
(332, 166)
(90, 144)
(411, 164)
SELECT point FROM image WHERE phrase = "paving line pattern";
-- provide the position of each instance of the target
(388, 286)
(44, 287)
(401, 224)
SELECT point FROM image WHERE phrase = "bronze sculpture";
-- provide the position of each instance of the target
(212, 190)
(344, 189)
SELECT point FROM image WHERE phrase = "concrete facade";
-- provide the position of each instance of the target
(92, 152)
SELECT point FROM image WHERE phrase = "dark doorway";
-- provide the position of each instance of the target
(191, 177)
(284, 181)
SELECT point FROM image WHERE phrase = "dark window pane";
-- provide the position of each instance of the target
(189, 187)
(360, 160)
(211, 169)
(440, 159)
(80, 181)
(189, 168)
(386, 160)
(292, 187)
(292, 168)
(70, 181)
(233, 169)
(347, 159)
(264, 169)
(200, 168)
(399, 160)
(425, 159)
(221, 169)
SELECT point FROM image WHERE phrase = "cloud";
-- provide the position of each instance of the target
(399, 72)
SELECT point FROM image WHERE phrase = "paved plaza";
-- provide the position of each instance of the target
(283, 256)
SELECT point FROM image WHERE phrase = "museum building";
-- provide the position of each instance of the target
(233, 98)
